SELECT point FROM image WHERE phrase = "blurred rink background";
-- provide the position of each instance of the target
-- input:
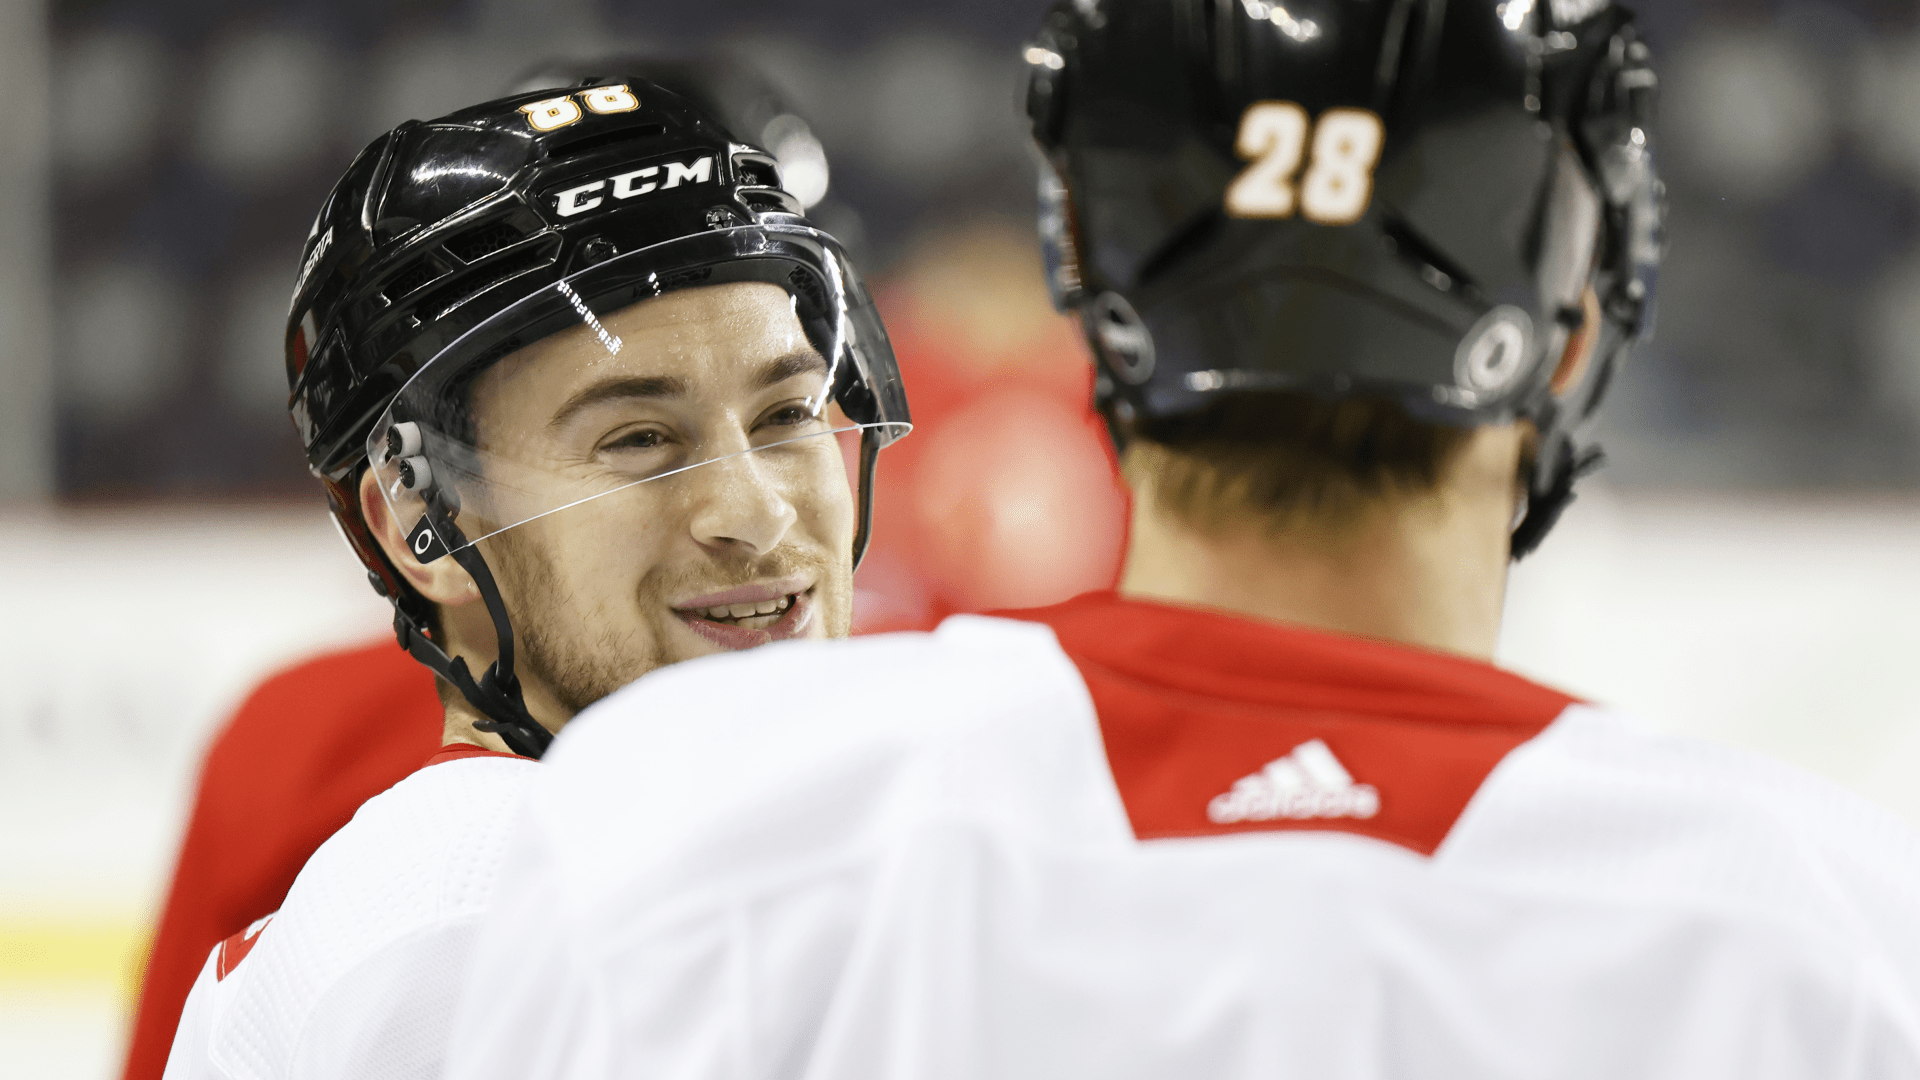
(1747, 570)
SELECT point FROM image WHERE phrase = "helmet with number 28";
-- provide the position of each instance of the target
(577, 354)
(1429, 202)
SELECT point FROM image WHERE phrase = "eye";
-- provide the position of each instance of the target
(789, 415)
(638, 439)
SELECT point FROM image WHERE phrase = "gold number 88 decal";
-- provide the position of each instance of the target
(1339, 179)
(610, 99)
(556, 113)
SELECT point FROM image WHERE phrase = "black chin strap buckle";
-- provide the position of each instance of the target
(1545, 508)
(494, 696)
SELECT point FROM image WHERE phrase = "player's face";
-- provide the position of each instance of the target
(744, 549)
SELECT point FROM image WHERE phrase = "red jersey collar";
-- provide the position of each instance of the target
(457, 751)
(1216, 724)
(1220, 655)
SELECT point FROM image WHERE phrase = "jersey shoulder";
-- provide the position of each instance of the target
(375, 927)
(781, 755)
(902, 687)
(1605, 806)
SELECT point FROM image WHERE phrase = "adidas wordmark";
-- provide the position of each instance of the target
(1309, 782)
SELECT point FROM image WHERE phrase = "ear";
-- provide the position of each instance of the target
(442, 581)
(1577, 357)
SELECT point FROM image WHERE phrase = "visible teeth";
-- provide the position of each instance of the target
(747, 611)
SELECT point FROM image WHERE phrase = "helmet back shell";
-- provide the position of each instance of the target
(1404, 198)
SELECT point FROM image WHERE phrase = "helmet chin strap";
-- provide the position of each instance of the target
(497, 692)
(1545, 505)
(863, 529)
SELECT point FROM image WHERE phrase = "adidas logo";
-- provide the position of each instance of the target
(1307, 783)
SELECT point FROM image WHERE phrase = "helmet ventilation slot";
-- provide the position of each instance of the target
(756, 171)
(410, 279)
(1426, 258)
(476, 244)
(600, 140)
(770, 201)
(467, 286)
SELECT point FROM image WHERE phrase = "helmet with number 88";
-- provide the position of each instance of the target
(1428, 202)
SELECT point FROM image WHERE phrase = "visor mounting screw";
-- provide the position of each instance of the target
(403, 440)
(598, 250)
(415, 474)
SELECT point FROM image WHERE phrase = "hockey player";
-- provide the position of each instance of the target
(1352, 274)
(317, 739)
(589, 396)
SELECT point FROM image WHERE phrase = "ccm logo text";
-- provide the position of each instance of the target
(579, 200)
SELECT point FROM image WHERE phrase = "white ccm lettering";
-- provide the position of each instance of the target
(623, 184)
(696, 173)
(626, 185)
(570, 203)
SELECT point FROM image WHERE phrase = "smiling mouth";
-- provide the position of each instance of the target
(755, 616)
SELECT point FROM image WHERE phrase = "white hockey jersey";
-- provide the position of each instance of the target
(356, 976)
(1127, 840)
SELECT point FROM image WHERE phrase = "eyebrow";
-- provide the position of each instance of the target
(668, 386)
(647, 386)
(790, 365)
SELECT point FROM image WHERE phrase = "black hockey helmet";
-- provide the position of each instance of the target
(1415, 199)
(453, 243)
(723, 85)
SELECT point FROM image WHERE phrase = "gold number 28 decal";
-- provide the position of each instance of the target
(1339, 177)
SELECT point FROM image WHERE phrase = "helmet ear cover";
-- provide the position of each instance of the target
(1514, 178)
(343, 500)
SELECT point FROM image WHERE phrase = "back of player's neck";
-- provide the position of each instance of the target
(1418, 572)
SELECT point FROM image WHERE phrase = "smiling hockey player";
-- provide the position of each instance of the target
(589, 397)
(1353, 272)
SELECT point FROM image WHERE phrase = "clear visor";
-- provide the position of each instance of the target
(749, 361)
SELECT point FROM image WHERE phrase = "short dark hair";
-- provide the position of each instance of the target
(1283, 456)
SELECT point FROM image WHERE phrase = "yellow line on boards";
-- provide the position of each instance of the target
(73, 954)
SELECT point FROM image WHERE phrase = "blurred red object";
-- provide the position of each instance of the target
(1005, 496)
(301, 754)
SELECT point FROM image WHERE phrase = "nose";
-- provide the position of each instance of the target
(738, 507)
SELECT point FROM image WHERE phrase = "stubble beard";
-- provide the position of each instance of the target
(581, 658)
